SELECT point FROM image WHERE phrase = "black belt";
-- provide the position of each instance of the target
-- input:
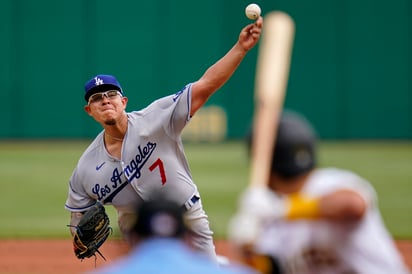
(189, 203)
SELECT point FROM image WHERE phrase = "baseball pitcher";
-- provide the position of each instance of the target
(140, 154)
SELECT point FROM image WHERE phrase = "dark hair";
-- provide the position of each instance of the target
(160, 218)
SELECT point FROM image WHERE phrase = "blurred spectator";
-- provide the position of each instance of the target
(162, 244)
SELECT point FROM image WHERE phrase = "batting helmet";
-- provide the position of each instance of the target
(295, 146)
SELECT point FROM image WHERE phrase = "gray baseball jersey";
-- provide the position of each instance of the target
(153, 161)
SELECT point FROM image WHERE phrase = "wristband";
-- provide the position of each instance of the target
(301, 207)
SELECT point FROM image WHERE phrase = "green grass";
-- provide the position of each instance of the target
(34, 178)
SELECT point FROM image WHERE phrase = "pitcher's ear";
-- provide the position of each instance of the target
(87, 109)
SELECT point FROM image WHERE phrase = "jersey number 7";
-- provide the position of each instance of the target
(159, 163)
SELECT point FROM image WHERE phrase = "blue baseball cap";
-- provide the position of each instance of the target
(101, 83)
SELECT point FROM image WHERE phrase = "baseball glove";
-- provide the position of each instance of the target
(91, 232)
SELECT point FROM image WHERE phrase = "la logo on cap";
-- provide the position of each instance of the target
(98, 81)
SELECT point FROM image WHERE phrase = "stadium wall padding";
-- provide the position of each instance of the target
(350, 72)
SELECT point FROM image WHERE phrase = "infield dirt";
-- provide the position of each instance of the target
(56, 256)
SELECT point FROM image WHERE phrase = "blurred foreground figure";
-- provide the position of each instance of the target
(161, 243)
(310, 219)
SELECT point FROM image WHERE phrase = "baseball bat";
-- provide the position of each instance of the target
(272, 75)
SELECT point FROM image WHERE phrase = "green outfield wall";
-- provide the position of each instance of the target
(350, 72)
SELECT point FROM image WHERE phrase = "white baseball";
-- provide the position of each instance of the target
(252, 11)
